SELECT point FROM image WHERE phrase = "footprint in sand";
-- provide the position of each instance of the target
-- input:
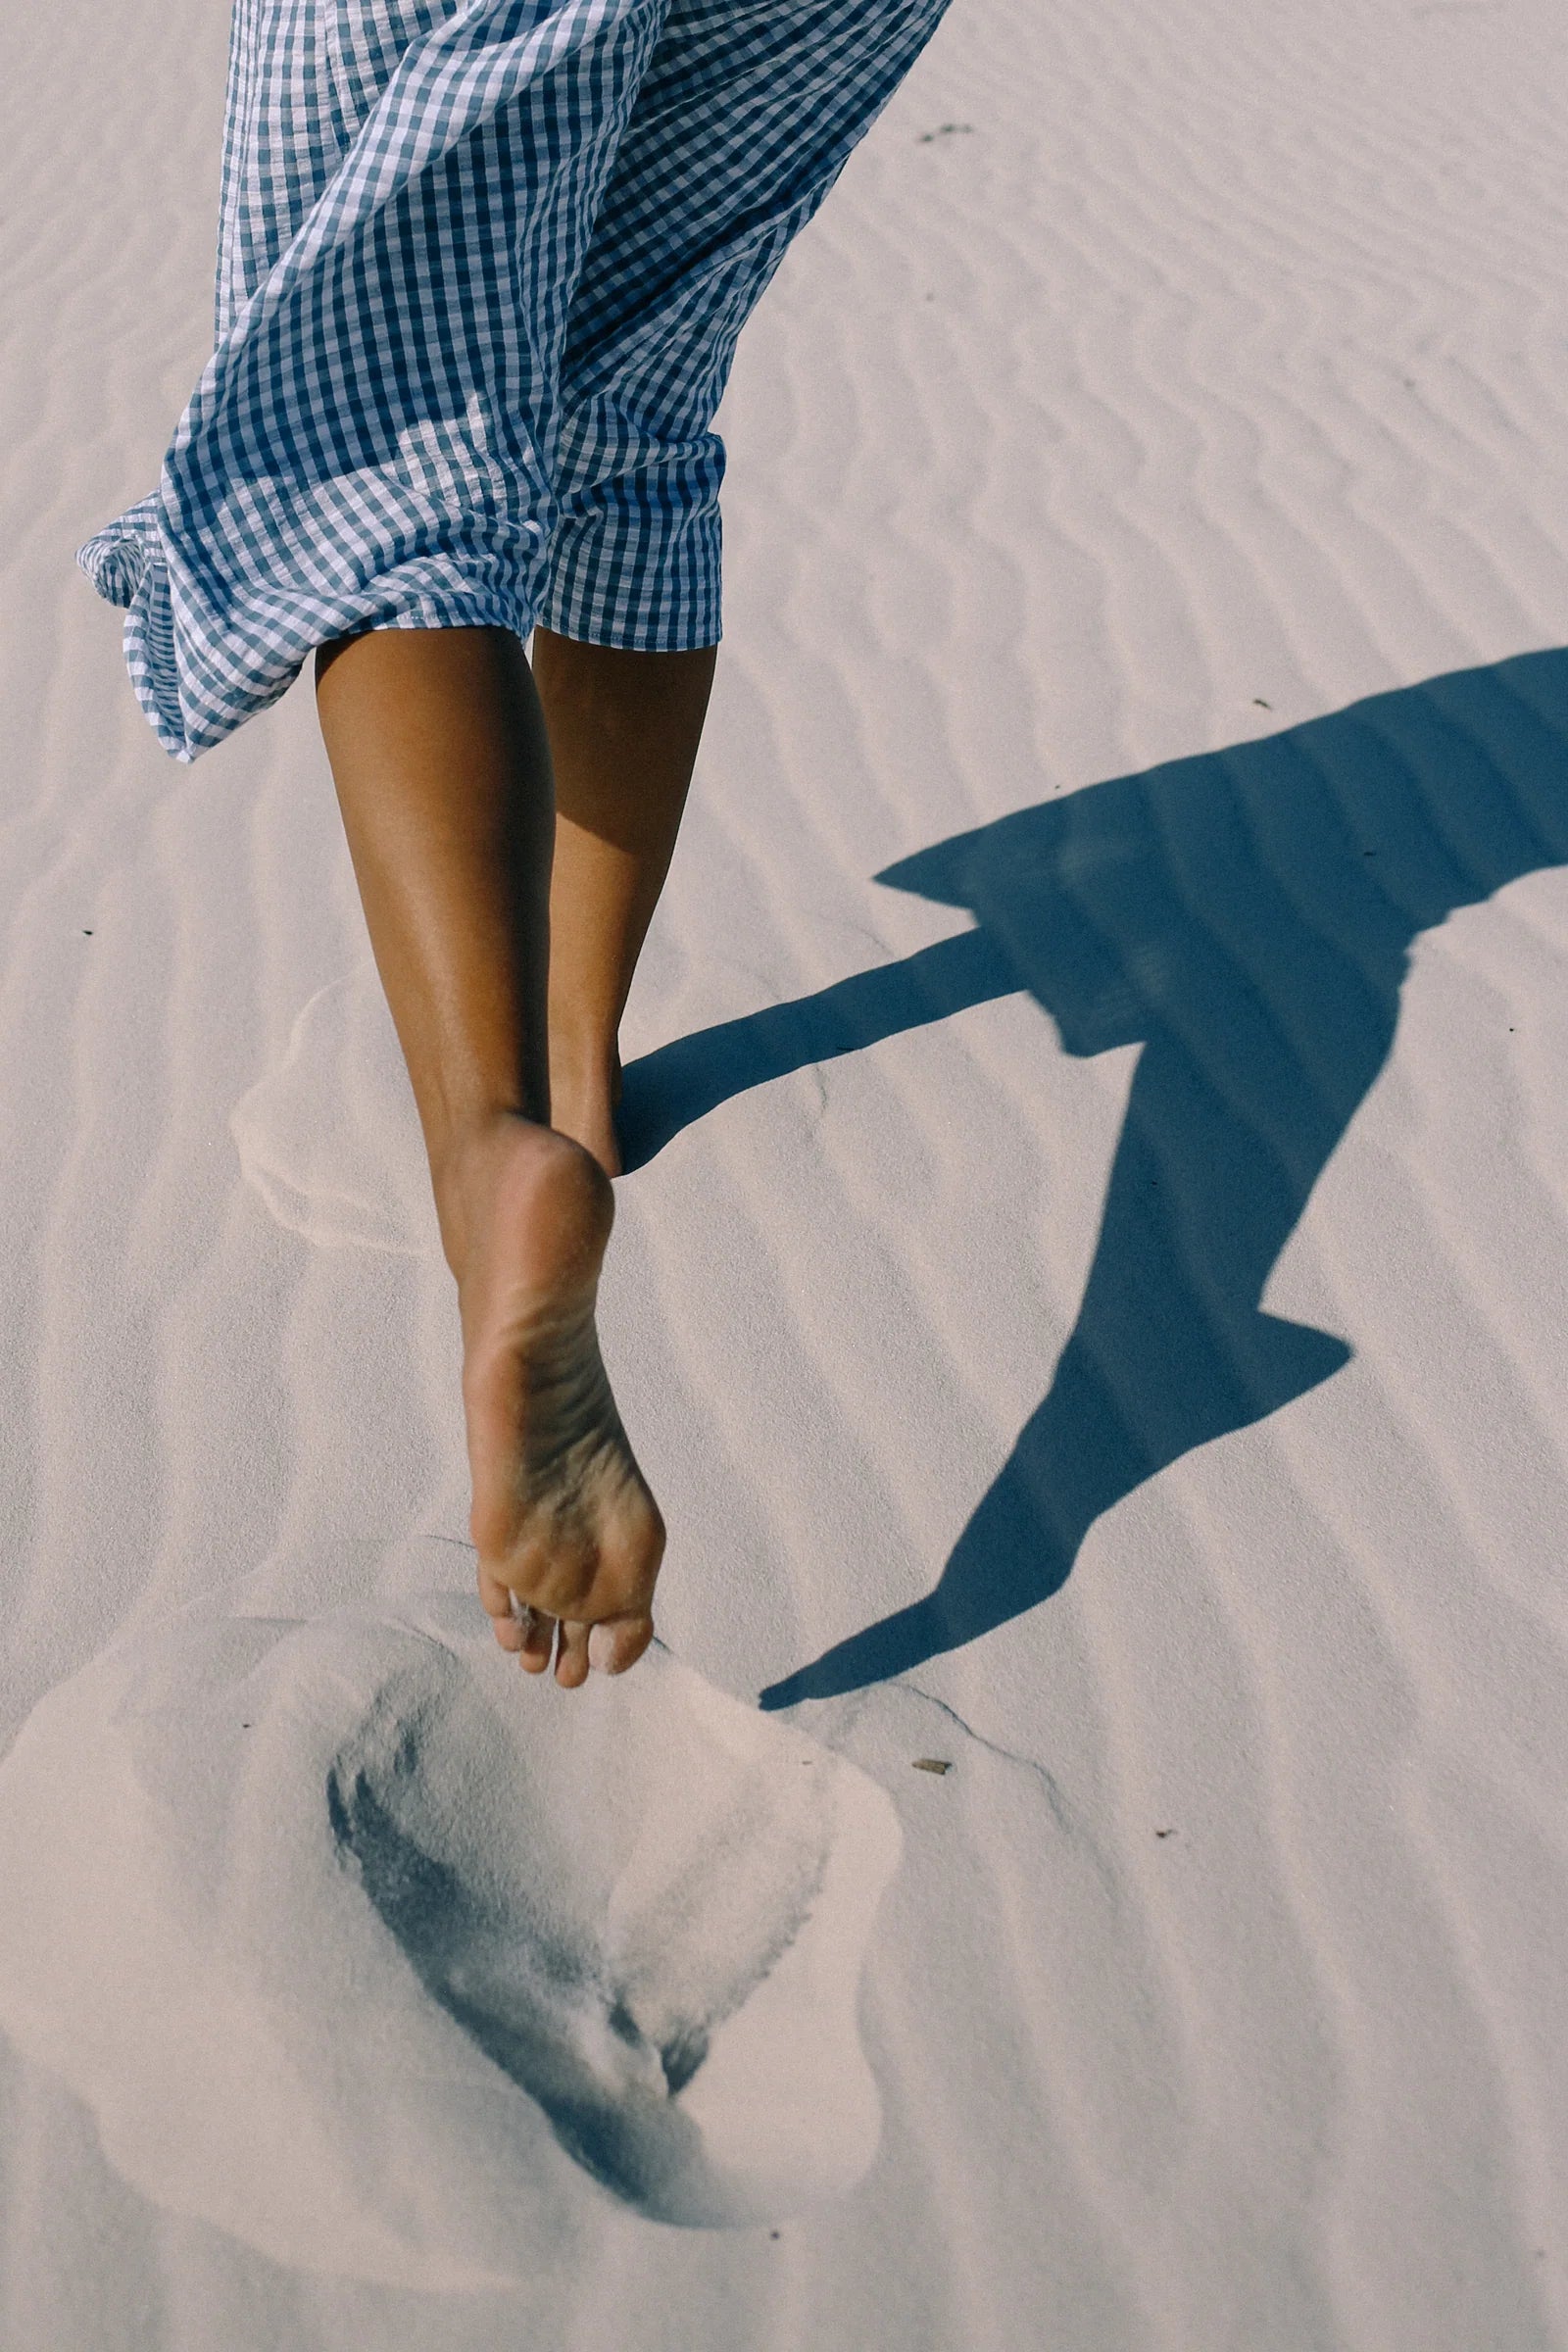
(361, 1950)
(331, 1139)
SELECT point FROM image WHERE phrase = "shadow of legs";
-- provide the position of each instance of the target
(1170, 1351)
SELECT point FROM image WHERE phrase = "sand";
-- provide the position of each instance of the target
(289, 1896)
(1099, 1099)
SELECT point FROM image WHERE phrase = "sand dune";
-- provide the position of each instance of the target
(1091, 1298)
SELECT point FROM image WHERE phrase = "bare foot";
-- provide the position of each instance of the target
(562, 1515)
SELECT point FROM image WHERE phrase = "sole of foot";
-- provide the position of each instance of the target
(568, 1536)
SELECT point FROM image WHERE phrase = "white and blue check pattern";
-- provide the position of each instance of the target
(482, 264)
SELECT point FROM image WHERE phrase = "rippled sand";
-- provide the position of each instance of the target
(1091, 1297)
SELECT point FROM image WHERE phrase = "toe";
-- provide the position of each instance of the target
(571, 1661)
(538, 1639)
(497, 1601)
(618, 1643)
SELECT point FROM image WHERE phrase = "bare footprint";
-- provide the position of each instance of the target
(331, 1139)
(379, 1961)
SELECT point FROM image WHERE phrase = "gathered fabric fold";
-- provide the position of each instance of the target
(481, 269)
(326, 475)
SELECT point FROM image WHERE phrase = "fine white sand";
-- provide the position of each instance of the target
(332, 1936)
(1147, 544)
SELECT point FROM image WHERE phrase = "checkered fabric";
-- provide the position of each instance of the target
(482, 265)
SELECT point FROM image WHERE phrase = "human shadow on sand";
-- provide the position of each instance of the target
(1246, 917)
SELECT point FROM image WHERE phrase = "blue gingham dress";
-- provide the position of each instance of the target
(482, 264)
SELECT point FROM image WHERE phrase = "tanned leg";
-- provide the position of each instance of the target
(441, 761)
(623, 734)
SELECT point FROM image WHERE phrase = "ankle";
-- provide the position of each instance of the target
(535, 1163)
(583, 1100)
(584, 1067)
